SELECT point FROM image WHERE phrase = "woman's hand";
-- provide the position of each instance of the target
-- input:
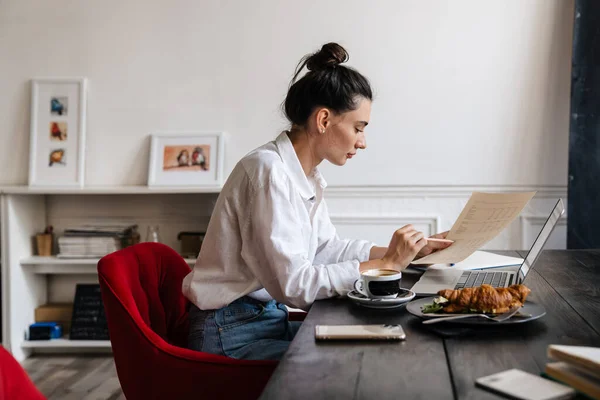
(432, 247)
(406, 243)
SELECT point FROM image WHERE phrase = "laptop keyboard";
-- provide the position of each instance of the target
(478, 278)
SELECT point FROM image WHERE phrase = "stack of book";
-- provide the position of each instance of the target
(576, 366)
(92, 241)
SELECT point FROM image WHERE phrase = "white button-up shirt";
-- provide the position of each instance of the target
(270, 236)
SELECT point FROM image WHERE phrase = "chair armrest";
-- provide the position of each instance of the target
(297, 315)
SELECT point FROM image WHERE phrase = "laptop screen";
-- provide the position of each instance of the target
(543, 236)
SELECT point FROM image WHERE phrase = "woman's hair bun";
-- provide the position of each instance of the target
(325, 85)
(330, 55)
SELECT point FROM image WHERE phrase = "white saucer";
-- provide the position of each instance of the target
(403, 297)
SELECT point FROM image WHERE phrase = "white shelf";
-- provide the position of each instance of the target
(52, 260)
(30, 281)
(66, 344)
(108, 190)
(55, 265)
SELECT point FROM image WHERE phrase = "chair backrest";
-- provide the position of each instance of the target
(14, 381)
(147, 321)
(146, 279)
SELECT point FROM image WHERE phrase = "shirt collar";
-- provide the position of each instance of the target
(294, 168)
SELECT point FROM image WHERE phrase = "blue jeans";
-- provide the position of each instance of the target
(245, 329)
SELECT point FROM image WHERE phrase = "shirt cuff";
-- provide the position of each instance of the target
(343, 275)
(363, 250)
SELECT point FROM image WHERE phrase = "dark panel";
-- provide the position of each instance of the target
(584, 138)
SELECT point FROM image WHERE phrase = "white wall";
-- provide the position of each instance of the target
(468, 92)
(470, 95)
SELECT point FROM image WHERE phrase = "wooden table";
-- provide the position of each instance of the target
(442, 365)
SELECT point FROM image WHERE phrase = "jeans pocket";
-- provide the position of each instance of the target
(250, 331)
(237, 314)
(197, 326)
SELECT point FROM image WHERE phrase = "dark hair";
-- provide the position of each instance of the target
(327, 84)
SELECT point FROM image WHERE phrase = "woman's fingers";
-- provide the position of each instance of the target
(416, 236)
(404, 233)
(416, 242)
(405, 244)
(404, 229)
(441, 235)
(438, 245)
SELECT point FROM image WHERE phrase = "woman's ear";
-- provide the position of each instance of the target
(323, 119)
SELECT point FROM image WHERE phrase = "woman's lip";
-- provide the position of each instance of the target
(350, 155)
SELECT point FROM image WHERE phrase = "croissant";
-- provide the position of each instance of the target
(484, 299)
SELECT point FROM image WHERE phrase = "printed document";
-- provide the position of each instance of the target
(484, 217)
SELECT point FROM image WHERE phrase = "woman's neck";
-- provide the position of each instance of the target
(305, 149)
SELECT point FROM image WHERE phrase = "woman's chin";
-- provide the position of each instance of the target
(339, 161)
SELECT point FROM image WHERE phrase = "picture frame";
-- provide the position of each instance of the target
(57, 132)
(186, 159)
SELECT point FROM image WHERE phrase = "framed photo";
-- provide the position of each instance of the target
(186, 159)
(57, 132)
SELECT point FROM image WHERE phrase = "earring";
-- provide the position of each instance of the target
(322, 131)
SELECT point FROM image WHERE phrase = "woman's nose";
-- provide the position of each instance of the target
(361, 143)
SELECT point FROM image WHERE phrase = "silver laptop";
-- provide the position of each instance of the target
(434, 280)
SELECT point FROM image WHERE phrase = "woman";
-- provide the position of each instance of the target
(270, 240)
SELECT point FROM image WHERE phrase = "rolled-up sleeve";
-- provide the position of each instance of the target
(332, 249)
(274, 249)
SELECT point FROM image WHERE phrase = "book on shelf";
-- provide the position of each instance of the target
(112, 229)
(576, 366)
(97, 240)
(87, 246)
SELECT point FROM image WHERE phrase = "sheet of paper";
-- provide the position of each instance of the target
(479, 260)
(485, 215)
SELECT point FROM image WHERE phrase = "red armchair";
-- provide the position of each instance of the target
(14, 382)
(147, 318)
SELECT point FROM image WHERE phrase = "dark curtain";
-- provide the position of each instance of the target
(583, 223)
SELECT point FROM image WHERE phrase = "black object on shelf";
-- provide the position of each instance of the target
(191, 242)
(88, 321)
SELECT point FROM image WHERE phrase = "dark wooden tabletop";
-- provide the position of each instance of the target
(439, 361)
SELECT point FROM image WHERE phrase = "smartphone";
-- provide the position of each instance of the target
(517, 384)
(352, 332)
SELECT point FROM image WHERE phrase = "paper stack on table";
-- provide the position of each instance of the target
(482, 219)
(576, 366)
(480, 260)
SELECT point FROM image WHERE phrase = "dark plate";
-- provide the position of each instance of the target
(535, 310)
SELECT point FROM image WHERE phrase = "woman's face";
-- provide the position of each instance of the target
(344, 133)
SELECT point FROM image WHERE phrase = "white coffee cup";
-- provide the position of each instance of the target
(379, 283)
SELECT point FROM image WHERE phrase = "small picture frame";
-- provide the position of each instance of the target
(186, 159)
(57, 132)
